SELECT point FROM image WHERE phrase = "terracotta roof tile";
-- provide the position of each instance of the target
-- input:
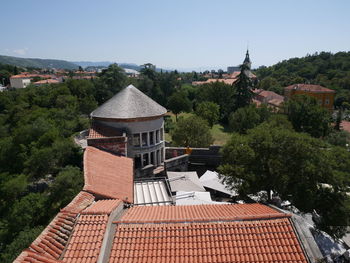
(245, 241)
(86, 241)
(309, 87)
(108, 175)
(28, 256)
(79, 203)
(98, 130)
(51, 242)
(192, 213)
(102, 207)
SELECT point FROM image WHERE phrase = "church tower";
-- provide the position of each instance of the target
(247, 61)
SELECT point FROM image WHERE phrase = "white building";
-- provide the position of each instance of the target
(19, 81)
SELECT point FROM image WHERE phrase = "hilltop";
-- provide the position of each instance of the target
(37, 62)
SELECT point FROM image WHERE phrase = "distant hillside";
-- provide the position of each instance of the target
(326, 69)
(37, 62)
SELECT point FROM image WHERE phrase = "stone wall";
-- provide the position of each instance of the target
(177, 164)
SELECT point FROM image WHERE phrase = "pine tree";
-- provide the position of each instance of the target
(244, 94)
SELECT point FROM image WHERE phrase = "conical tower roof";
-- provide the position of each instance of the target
(129, 103)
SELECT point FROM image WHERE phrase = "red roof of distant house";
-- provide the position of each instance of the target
(345, 125)
(226, 81)
(309, 87)
(199, 213)
(108, 175)
(102, 207)
(240, 241)
(47, 81)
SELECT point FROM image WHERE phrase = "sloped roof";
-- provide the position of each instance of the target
(152, 192)
(211, 180)
(102, 207)
(28, 256)
(198, 213)
(185, 181)
(108, 175)
(129, 103)
(86, 241)
(195, 198)
(309, 87)
(246, 241)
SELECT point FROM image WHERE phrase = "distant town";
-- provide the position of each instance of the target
(112, 164)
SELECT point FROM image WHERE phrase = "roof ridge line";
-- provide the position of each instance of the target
(237, 219)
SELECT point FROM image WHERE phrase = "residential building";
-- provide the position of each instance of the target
(268, 97)
(324, 96)
(20, 81)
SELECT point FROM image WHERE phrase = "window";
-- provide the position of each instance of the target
(145, 159)
(161, 134)
(137, 161)
(144, 139)
(327, 101)
(136, 140)
(152, 159)
(158, 157)
(151, 138)
(157, 136)
(320, 102)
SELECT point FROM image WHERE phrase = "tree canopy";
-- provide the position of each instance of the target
(295, 167)
(208, 111)
(192, 131)
(307, 116)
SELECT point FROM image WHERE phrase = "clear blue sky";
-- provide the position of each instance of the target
(174, 34)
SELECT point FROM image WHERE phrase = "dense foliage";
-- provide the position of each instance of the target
(326, 69)
(307, 116)
(208, 111)
(296, 167)
(40, 166)
(192, 131)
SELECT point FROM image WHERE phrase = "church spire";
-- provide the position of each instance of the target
(247, 60)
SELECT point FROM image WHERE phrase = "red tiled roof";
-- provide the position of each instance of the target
(28, 256)
(108, 175)
(199, 213)
(79, 203)
(51, 242)
(102, 207)
(246, 241)
(345, 125)
(309, 87)
(86, 241)
(102, 131)
(47, 81)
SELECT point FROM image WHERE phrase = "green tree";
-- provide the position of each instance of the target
(292, 165)
(178, 102)
(208, 111)
(22, 241)
(248, 117)
(192, 131)
(244, 94)
(66, 186)
(221, 94)
(307, 116)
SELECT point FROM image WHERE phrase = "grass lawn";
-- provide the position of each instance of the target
(220, 133)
